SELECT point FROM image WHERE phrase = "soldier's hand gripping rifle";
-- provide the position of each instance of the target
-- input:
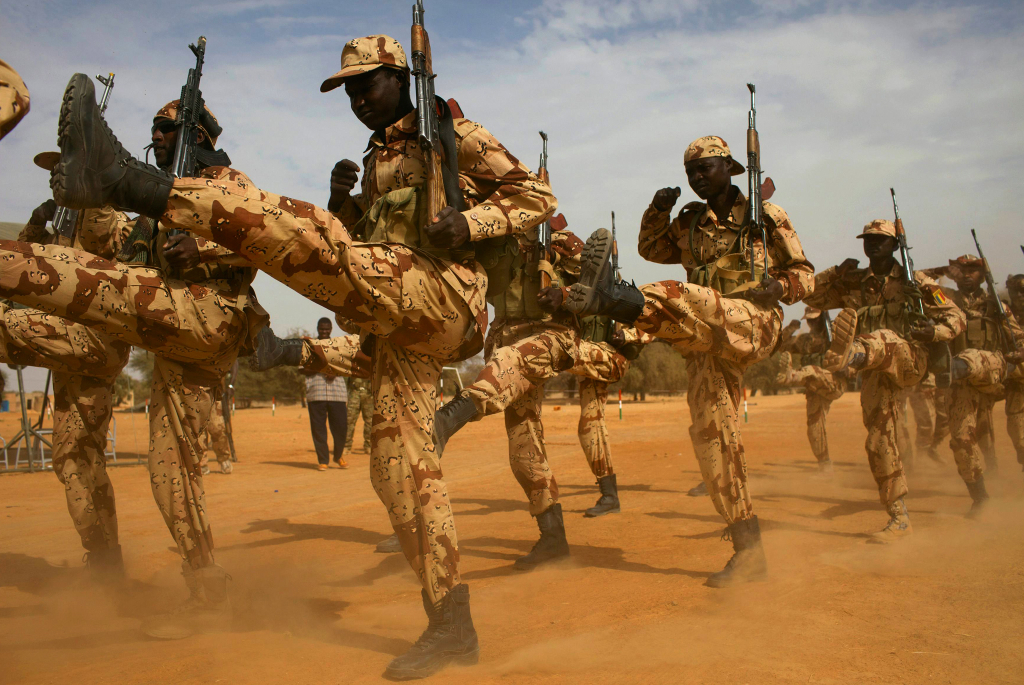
(757, 192)
(437, 141)
(65, 220)
(1009, 343)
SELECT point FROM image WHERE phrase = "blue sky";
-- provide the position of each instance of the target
(853, 98)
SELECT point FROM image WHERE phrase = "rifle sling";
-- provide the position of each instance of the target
(450, 163)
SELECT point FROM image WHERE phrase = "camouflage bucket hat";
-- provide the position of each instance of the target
(712, 146)
(361, 55)
(879, 227)
(967, 260)
(46, 160)
(170, 111)
(14, 99)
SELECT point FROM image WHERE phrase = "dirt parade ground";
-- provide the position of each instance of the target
(314, 604)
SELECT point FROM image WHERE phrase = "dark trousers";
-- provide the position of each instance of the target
(321, 414)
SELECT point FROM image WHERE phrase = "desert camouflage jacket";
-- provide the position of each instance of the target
(99, 231)
(983, 323)
(861, 288)
(667, 241)
(502, 196)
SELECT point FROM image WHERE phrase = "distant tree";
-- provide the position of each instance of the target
(761, 376)
(282, 382)
(659, 369)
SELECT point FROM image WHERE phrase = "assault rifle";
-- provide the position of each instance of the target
(555, 223)
(757, 192)
(434, 120)
(65, 219)
(826, 320)
(905, 258)
(544, 232)
(615, 252)
(1006, 333)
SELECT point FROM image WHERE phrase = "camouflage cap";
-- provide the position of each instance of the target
(967, 260)
(879, 227)
(361, 55)
(811, 313)
(14, 99)
(712, 146)
(47, 160)
(170, 111)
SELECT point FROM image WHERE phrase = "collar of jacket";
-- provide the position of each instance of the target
(735, 218)
(403, 129)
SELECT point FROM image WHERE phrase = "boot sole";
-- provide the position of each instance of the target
(760, 578)
(519, 565)
(471, 658)
(588, 515)
(80, 88)
(845, 331)
(596, 255)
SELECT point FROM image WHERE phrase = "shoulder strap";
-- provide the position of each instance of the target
(450, 166)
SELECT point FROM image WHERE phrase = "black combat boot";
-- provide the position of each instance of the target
(552, 544)
(609, 501)
(94, 168)
(105, 565)
(597, 293)
(979, 497)
(845, 351)
(449, 420)
(748, 562)
(272, 351)
(449, 637)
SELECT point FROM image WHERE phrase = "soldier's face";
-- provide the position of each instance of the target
(323, 329)
(969, 277)
(375, 97)
(164, 136)
(879, 246)
(708, 177)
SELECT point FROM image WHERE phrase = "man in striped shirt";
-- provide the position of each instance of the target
(326, 399)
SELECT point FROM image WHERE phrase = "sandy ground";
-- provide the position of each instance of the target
(315, 604)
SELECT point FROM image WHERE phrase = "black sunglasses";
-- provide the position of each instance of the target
(166, 126)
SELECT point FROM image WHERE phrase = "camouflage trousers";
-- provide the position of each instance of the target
(598, 365)
(891, 365)
(360, 403)
(923, 405)
(84, 364)
(971, 400)
(521, 355)
(821, 389)
(332, 356)
(424, 312)
(720, 337)
(216, 436)
(195, 333)
(1015, 416)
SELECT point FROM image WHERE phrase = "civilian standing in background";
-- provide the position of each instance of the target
(326, 397)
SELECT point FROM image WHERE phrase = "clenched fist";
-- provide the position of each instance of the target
(344, 177)
(449, 229)
(665, 199)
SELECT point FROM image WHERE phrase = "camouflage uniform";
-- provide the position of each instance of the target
(217, 438)
(821, 388)
(707, 320)
(85, 363)
(973, 397)
(195, 322)
(893, 360)
(1015, 382)
(597, 365)
(925, 404)
(359, 403)
(14, 99)
(525, 347)
(424, 305)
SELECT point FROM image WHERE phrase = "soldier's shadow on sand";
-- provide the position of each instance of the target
(31, 574)
(586, 556)
(308, 465)
(295, 532)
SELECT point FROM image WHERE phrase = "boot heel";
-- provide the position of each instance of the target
(470, 659)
